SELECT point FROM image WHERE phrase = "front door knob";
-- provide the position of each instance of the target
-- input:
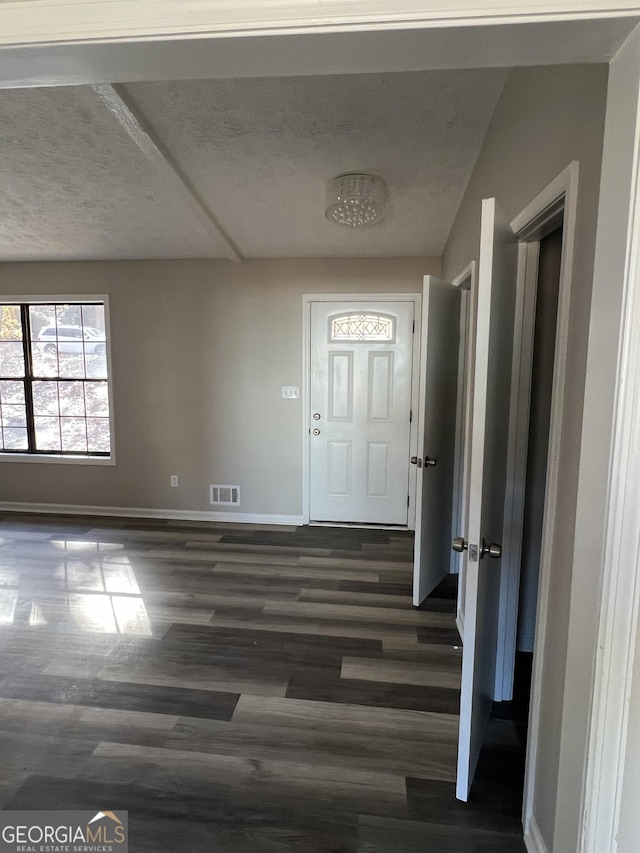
(428, 460)
(492, 550)
(459, 544)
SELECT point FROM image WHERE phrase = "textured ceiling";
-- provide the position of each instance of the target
(258, 152)
(73, 185)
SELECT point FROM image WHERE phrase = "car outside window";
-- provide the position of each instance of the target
(54, 382)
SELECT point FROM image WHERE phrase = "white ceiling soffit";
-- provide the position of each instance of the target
(506, 46)
(56, 21)
(258, 154)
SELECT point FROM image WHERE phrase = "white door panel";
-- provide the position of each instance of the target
(436, 434)
(490, 413)
(360, 400)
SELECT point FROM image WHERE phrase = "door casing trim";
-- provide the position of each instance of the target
(467, 281)
(560, 195)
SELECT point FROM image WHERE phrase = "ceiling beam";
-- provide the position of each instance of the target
(133, 120)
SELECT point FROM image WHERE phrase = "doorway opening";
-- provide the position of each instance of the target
(546, 232)
(511, 717)
(499, 638)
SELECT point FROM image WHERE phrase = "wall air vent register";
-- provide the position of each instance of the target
(225, 495)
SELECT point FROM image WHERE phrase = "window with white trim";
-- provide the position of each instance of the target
(54, 383)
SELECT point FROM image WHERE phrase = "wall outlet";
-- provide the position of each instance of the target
(290, 392)
(174, 481)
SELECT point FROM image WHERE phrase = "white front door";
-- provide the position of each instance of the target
(360, 411)
(497, 267)
(436, 434)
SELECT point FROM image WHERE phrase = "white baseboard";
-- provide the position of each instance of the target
(141, 512)
(533, 837)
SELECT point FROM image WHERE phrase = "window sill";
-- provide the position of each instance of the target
(59, 460)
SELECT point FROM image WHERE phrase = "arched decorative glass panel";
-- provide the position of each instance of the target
(359, 326)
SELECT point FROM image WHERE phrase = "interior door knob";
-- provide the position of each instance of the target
(459, 544)
(428, 460)
(492, 550)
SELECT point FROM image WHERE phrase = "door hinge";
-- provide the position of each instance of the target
(414, 327)
(408, 500)
(410, 416)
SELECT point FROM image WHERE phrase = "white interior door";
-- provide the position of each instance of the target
(436, 434)
(360, 418)
(497, 268)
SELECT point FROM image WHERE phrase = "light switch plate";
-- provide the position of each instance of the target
(290, 392)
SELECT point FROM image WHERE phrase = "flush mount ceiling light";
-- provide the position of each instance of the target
(356, 200)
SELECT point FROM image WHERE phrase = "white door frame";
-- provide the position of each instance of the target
(556, 204)
(616, 323)
(307, 299)
(467, 280)
(467, 283)
(559, 198)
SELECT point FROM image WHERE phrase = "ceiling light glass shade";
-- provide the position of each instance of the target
(356, 200)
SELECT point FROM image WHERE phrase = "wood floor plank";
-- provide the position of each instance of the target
(8, 791)
(350, 562)
(305, 647)
(431, 654)
(226, 598)
(223, 554)
(435, 759)
(415, 726)
(306, 685)
(249, 547)
(129, 696)
(298, 624)
(18, 714)
(275, 569)
(238, 772)
(24, 753)
(400, 672)
(356, 613)
(198, 677)
(338, 596)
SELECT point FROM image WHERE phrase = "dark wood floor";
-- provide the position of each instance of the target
(240, 689)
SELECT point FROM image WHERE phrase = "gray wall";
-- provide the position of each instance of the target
(546, 118)
(200, 350)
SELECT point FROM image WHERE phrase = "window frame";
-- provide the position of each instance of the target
(62, 458)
